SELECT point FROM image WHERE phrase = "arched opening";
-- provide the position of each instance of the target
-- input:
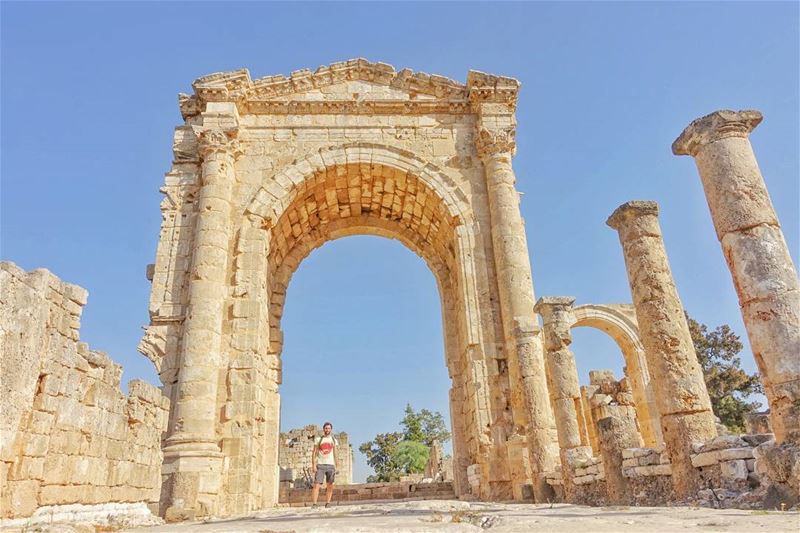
(619, 323)
(362, 329)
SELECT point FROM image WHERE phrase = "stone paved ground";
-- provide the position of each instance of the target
(457, 516)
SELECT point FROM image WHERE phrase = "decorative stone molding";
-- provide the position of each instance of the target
(713, 127)
(211, 141)
(490, 88)
(269, 94)
(493, 142)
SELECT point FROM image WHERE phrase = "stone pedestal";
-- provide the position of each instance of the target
(758, 257)
(531, 408)
(681, 393)
(192, 458)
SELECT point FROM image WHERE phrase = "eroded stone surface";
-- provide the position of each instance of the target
(69, 435)
(755, 249)
(681, 392)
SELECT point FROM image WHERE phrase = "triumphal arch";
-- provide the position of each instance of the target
(267, 170)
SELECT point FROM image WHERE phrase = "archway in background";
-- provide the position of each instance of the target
(618, 321)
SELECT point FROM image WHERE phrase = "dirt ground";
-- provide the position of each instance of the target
(459, 516)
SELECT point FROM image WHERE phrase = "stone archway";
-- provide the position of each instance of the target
(619, 322)
(267, 170)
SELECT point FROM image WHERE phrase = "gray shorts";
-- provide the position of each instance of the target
(325, 472)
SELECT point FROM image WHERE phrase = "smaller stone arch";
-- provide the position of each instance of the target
(619, 322)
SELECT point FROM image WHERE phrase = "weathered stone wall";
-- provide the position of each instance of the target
(296, 449)
(69, 435)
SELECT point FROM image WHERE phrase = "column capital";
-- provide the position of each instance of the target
(214, 140)
(547, 302)
(713, 127)
(631, 211)
(496, 141)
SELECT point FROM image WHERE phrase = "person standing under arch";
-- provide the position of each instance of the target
(323, 464)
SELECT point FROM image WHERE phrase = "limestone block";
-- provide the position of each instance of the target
(733, 471)
(23, 497)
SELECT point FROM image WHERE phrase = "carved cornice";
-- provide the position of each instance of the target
(496, 141)
(713, 127)
(211, 141)
(262, 96)
(484, 87)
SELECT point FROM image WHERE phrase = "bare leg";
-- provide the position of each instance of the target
(328, 492)
(314, 493)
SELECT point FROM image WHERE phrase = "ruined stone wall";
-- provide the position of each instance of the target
(69, 435)
(297, 446)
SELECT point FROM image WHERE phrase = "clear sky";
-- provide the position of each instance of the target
(89, 104)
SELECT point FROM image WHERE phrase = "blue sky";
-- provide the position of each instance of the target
(89, 104)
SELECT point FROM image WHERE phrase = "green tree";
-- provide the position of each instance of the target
(380, 454)
(729, 386)
(394, 454)
(411, 456)
(425, 426)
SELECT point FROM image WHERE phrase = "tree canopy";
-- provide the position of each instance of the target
(394, 454)
(729, 386)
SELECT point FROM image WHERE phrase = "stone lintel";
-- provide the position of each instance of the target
(713, 127)
(631, 211)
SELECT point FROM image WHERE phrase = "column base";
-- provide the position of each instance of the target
(520, 468)
(191, 481)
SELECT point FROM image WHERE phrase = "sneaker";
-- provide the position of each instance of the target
(327, 505)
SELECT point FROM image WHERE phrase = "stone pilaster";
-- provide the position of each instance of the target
(531, 408)
(192, 458)
(755, 249)
(681, 396)
(562, 381)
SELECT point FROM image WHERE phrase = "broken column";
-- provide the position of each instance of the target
(192, 457)
(562, 381)
(530, 405)
(681, 393)
(756, 252)
(614, 413)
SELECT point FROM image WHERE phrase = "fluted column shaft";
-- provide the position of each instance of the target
(756, 252)
(681, 393)
(531, 408)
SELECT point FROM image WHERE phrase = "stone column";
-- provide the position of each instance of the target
(681, 394)
(758, 257)
(531, 408)
(562, 380)
(192, 458)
